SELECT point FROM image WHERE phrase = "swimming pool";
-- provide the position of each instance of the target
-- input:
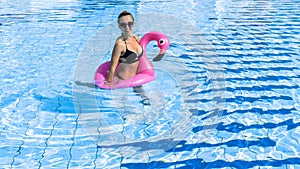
(226, 94)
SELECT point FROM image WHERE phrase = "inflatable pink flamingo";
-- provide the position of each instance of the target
(145, 72)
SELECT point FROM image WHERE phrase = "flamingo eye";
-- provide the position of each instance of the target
(162, 41)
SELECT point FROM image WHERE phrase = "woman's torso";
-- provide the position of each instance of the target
(129, 59)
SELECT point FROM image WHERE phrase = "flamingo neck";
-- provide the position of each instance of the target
(145, 40)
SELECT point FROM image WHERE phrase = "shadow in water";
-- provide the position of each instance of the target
(171, 145)
(199, 163)
(164, 144)
(168, 145)
(57, 104)
(237, 127)
(86, 84)
(216, 112)
(138, 90)
(262, 142)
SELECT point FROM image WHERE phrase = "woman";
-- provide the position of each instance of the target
(126, 52)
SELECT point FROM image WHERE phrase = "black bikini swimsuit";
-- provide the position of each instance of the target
(130, 56)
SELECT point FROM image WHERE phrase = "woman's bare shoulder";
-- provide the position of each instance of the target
(119, 41)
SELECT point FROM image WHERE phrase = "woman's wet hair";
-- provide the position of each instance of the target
(124, 13)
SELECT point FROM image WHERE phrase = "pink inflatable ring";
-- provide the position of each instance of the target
(145, 69)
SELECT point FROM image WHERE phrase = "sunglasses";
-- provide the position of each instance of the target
(129, 24)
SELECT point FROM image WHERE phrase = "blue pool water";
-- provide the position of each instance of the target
(226, 94)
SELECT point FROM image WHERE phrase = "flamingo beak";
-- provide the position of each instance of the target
(160, 55)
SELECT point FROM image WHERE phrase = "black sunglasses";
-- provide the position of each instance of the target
(129, 24)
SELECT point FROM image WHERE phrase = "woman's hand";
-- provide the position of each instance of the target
(107, 83)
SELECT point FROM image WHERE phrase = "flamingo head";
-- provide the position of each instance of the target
(162, 40)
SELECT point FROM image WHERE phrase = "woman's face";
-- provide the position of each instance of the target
(126, 24)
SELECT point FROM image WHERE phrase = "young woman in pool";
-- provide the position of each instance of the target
(126, 52)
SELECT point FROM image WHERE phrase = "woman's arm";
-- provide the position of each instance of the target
(117, 51)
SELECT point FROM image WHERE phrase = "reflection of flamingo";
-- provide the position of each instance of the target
(145, 69)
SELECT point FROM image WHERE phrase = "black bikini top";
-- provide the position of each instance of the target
(130, 56)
